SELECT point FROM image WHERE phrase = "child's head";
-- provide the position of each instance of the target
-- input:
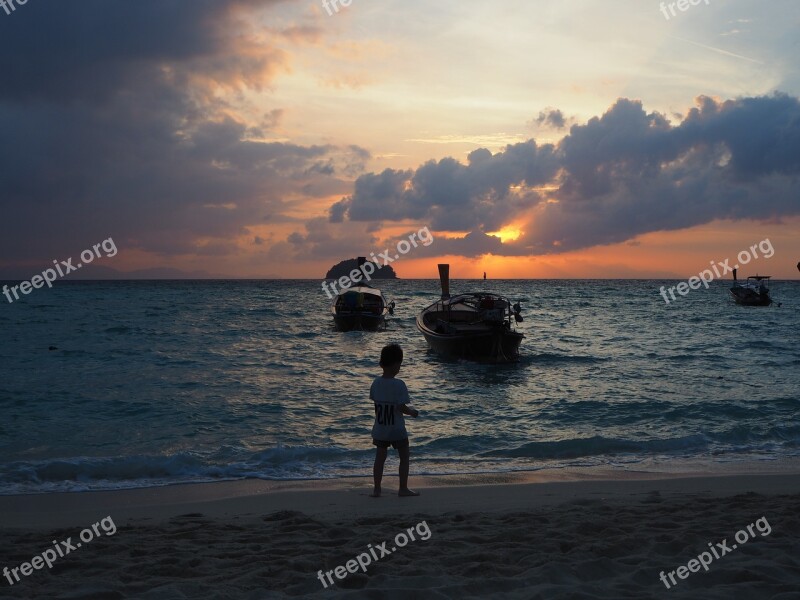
(391, 358)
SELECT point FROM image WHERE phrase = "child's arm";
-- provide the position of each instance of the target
(409, 410)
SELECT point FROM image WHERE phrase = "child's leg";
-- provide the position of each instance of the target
(377, 469)
(405, 453)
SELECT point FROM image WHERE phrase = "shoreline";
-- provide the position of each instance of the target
(334, 498)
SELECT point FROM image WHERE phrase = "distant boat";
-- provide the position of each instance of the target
(361, 307)
(753, 292)
(476, 326)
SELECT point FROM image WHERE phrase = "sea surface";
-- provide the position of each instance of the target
(153, 383)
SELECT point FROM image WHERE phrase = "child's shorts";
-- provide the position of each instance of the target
(397, 444)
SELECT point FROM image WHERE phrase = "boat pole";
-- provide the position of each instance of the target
(444, 280)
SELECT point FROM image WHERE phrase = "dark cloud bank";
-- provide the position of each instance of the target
(625, 173)
(111, 127)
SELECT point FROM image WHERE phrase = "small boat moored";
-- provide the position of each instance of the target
(754, 292)
(361, 307)
(476, 326)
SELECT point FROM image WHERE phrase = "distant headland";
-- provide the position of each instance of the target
(344, 268)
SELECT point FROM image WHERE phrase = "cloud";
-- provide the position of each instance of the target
(551, 117)
(302, 34)
(451, 195)
(271, 120)
(622, 174)
(125, 122)
(128, 119)
(321, 240)
(89, 50)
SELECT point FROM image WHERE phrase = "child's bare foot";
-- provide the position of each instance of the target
(376, 493)
(407, 492)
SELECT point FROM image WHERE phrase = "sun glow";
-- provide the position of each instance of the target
(509, 233)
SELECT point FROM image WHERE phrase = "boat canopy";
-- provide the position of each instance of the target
(476, 301)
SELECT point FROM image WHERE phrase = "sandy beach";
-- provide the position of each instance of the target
(477, 537)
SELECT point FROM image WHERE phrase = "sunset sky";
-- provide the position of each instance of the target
(266, 138)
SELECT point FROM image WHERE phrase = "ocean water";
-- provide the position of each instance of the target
(180, 381)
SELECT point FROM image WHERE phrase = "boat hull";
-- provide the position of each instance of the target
(359, 322)
(496, 345)
(362, 308)
(748, 297)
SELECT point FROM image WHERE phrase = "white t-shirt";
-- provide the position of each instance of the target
(389, 394)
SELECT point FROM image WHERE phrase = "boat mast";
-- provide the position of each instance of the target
(444, 280)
